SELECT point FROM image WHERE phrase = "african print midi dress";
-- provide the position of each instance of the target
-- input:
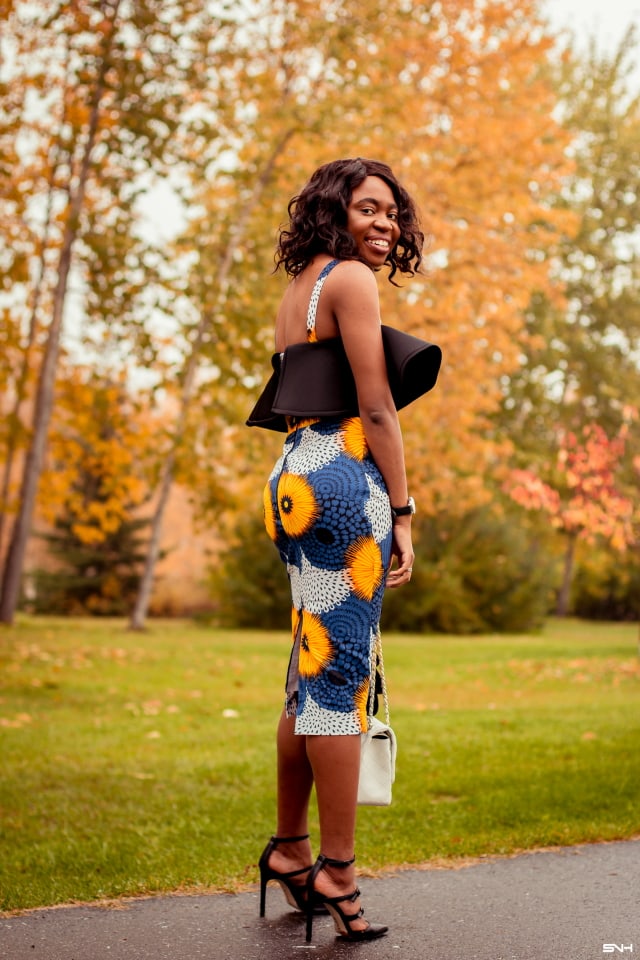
(327, 510)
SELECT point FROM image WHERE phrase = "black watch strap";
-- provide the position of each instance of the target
(409, 508)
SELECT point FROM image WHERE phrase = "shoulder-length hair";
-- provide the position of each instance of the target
(318, 219)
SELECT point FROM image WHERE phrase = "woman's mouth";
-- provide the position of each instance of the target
(379, 243)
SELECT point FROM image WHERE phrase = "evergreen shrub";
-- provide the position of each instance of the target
(482, 572)
(99, 579)
(249, 584)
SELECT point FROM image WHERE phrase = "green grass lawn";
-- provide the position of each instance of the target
(134, 763)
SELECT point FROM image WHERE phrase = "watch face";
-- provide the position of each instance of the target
(411, 504)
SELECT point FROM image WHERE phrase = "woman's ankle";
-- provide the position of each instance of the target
(297, 852)
(332, 881)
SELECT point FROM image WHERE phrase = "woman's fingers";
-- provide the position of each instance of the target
(402, 553)
(401, 574)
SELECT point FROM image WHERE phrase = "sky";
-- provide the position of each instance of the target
(606, 18)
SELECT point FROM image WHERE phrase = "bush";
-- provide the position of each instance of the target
(249, 586)
(478, 573)
(606, 585)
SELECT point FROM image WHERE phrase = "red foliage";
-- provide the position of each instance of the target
(584, 500)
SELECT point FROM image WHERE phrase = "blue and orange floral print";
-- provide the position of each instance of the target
(327, 511)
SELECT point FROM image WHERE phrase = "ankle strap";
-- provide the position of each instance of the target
(338, 864)
(275, 840)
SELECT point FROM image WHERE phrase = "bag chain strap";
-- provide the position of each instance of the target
(377, 652)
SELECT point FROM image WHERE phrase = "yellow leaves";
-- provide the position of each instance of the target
(100, 458)
(101, 519)
(88, 534)
(16, 722)
(578, 670)
(472, 135)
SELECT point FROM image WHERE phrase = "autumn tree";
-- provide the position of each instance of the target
(97, 97)
(584, 499)
(472, 134)
(240, 109)
(580, 362)
(579, 374)
(100, 460)
(97, 476)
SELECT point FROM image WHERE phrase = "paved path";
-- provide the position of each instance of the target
(579, 903)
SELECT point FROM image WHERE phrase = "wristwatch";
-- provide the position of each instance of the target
(405, 511)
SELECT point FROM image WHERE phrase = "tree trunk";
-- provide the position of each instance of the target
(565, 590)
(35, 455)
(23, 376)
(141, 607)
(12, 575)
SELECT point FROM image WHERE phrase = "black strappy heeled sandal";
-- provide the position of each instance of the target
(295, 893)
(341, 919)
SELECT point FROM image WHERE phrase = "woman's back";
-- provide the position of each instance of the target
(349, 283)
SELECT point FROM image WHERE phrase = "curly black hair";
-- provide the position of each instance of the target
(318, 219)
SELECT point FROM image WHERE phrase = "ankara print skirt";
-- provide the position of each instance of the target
(327, 511)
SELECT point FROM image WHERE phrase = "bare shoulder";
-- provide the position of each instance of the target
(352, 282)
(354, 273)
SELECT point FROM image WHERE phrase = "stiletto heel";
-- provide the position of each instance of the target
(295, 893)
(341, 919)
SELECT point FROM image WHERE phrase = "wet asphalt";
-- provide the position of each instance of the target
(576, 903)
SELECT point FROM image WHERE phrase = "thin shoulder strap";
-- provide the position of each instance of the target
(315, 296)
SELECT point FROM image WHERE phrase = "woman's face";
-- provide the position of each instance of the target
(372, 220)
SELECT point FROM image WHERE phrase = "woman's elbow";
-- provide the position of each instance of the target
(378, 414)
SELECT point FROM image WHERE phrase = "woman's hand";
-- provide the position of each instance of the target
(401, 552)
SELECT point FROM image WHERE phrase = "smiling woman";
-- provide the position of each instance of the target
(319, 217)
(372, 220)
(337, 509)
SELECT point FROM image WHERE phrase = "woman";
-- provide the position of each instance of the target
(338, 509)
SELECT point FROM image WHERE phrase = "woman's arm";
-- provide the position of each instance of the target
(355, 304)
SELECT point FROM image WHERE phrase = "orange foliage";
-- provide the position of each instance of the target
(455, 98)
(99, 458)
(586, 501)
(452, 94)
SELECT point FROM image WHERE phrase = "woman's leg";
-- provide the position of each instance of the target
(336, 764)
(295, 780)
(336, 768)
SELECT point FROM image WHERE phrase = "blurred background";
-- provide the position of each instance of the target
(148, 150)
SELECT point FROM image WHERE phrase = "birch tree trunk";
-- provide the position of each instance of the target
(23, 376)
(14, 563)
(141, 607)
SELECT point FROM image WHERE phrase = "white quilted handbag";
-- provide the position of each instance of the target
(379, 746)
